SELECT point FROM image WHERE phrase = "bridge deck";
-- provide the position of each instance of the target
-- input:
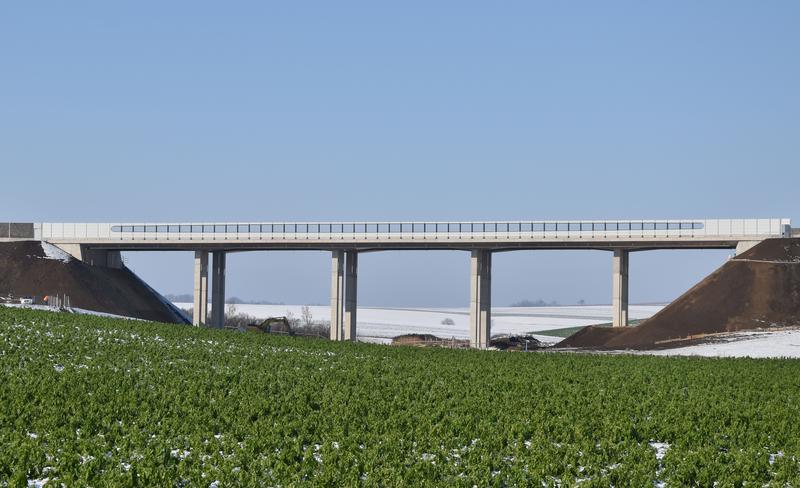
(498, 235)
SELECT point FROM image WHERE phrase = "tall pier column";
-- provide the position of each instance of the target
(480, 302)
(619, 301)
(200, 311)
(218, 289)
(337, 294)
(350, 295)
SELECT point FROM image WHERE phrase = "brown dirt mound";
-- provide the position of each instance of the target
(758, 289)
(425, 340)
(25, 271)
(590, 336)
(782, 250)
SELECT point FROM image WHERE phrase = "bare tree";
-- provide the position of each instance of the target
(305, 315)
(293, 321)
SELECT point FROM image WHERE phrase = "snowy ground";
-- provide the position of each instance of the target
(776, 344)
(381, 324)
(82, 311)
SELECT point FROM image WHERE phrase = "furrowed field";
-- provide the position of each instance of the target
(104, 402)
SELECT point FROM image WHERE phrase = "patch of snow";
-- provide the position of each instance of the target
(84, 311)
(58, 367)
(317, 455)
(177, 453)
(661, 449)
(24, 305)
(81, 311)
(37, 483)
(55, 253)
(33, 435)
(756, 344)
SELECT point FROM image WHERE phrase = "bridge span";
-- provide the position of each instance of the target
(101, 244)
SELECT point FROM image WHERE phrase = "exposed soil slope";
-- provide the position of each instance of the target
(25, 269)
(758, 289)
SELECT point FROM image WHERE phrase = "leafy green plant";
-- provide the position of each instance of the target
(97, 401)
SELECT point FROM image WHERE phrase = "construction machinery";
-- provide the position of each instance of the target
(271, 325)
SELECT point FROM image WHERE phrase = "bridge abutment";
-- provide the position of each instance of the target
(218, 289)
(93, 257)
(480, 303)
(743, 246)
(200, 310)
(619, 300)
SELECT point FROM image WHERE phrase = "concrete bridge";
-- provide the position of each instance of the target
(101, 244)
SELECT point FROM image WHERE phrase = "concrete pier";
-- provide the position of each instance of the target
(480, 303)
(350, 295)
(344, 295)
(619, 300)
(218, 289)
(200, 311)
(337, 294)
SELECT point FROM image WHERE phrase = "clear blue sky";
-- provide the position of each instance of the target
(406, 110)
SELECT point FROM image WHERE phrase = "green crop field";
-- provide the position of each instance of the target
(89, 401)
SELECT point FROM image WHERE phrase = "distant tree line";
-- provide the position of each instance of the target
(189, 298)
(541, 303)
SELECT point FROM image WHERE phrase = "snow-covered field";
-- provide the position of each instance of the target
(381, 324)
(777, 344)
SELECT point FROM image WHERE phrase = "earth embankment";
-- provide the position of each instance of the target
(29, 269)
(758, 289)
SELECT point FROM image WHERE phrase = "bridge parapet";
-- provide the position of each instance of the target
(16, 230)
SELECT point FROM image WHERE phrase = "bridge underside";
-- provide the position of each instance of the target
(344, 274)
(493, 246)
